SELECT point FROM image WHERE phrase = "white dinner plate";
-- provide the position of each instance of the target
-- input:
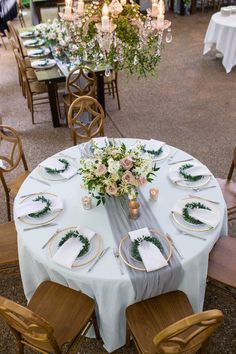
(95, 247)
(189, 184)
(163, 155)
(56, 177)
(43, 64)
(45, 219)
(36, 42)
(187, 226)
(27, 34)
(39, 52)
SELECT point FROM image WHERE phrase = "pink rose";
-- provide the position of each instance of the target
(129, 178)
(101, 170)
(112, 189)
(142, 181)
(126, 163)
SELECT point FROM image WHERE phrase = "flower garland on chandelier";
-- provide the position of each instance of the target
(116, 35)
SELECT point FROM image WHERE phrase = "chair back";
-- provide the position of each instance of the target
(22, 68)
(233, 166)
(81, 82)
(28, 328)
(14, 35)
(188, 334)
(86, 119)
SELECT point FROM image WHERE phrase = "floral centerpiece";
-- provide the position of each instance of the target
(116, 170)
(130, 41)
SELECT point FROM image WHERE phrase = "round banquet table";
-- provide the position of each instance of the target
(112, 291)
(222, 32)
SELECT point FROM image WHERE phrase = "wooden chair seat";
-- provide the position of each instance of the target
(55, 302)
(38, 87)
(222, 258)
(8, 244)
(16, 183)
(228, 188)
(31, 74)
(55, 315)
(146, 318)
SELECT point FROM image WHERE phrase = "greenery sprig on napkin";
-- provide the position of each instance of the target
(188, 176)
(54, 171)
(136, 243)
(155, 153)
(192, 206)
(83, 239)
(43, 211)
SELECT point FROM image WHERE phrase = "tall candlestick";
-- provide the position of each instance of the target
(155, 8)
(68, 8)
(80, 7)
(105, 18)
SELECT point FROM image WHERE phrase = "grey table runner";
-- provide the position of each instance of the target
(145, 284)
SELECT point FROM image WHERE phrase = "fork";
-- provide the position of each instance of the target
(192, 235)
(172, 156)
(117, 256)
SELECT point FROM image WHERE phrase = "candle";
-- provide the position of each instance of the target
(68, 8)
(87, 202)
(153, 193)
(123, 2)
(105, 18)
(160, 21)
(80, 7)
(160, 16)
(133, 209)
(155, 8)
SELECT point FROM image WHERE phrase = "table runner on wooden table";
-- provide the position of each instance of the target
(145, 284)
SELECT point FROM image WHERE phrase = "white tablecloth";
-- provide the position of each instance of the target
(112, 291)
(222, 32)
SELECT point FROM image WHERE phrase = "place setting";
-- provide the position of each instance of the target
(43, 64)
(157, 150)
(38, 52)
(35, 42)
(190, 174)
(58, 168)
(194, 215)
(145, 250)
(27, 34)
(74, 247)
(88, 149)
(39, 210)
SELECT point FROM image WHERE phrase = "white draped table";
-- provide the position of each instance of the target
(112, 291)
(221, 32)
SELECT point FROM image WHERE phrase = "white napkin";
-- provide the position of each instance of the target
(30, 206)
(153, 144)
(100, 142)
(151, 255)
(56, 164)
(68, 252)
(196, 170)
(208, 217)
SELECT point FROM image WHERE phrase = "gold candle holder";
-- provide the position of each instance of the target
(153, 193)
(133, 209)
(87, 202)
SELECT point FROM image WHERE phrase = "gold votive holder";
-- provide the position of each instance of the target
(134, 209)
(153, 194)
(87, 202)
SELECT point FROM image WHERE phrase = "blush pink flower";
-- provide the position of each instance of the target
(111, 189)
(142, 181)
(129, 178)
(101, 170)
(126, 163)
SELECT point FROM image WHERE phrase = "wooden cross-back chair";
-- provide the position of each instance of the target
(20, 13)
(111, 86)
(36, 92)
(10, 162)
(14, 34)
(86, 119)
(166, 324)
(54, 316)
(81, 81)
(228, 188)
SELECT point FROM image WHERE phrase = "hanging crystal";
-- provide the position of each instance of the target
(169, 36)
(107, 71)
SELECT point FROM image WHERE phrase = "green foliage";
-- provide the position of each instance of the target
(55, 171)
(155, 153)
(83, 239)
(45, 210)
(187, 176)
(136, 243)
(189, 218)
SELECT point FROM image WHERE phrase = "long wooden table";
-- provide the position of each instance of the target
(51, 77)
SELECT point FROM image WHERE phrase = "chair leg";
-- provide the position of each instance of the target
(117, 95)
(95, 326)
(8, 207)
(4, 44)
(113, 90)
(128, 335)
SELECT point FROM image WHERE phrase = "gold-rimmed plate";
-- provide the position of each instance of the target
(95, 247)
(187, 226)
(27, 34)
(56, 177)
(131, 262)
(189, 184)
(42, 220)
(35, 42)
